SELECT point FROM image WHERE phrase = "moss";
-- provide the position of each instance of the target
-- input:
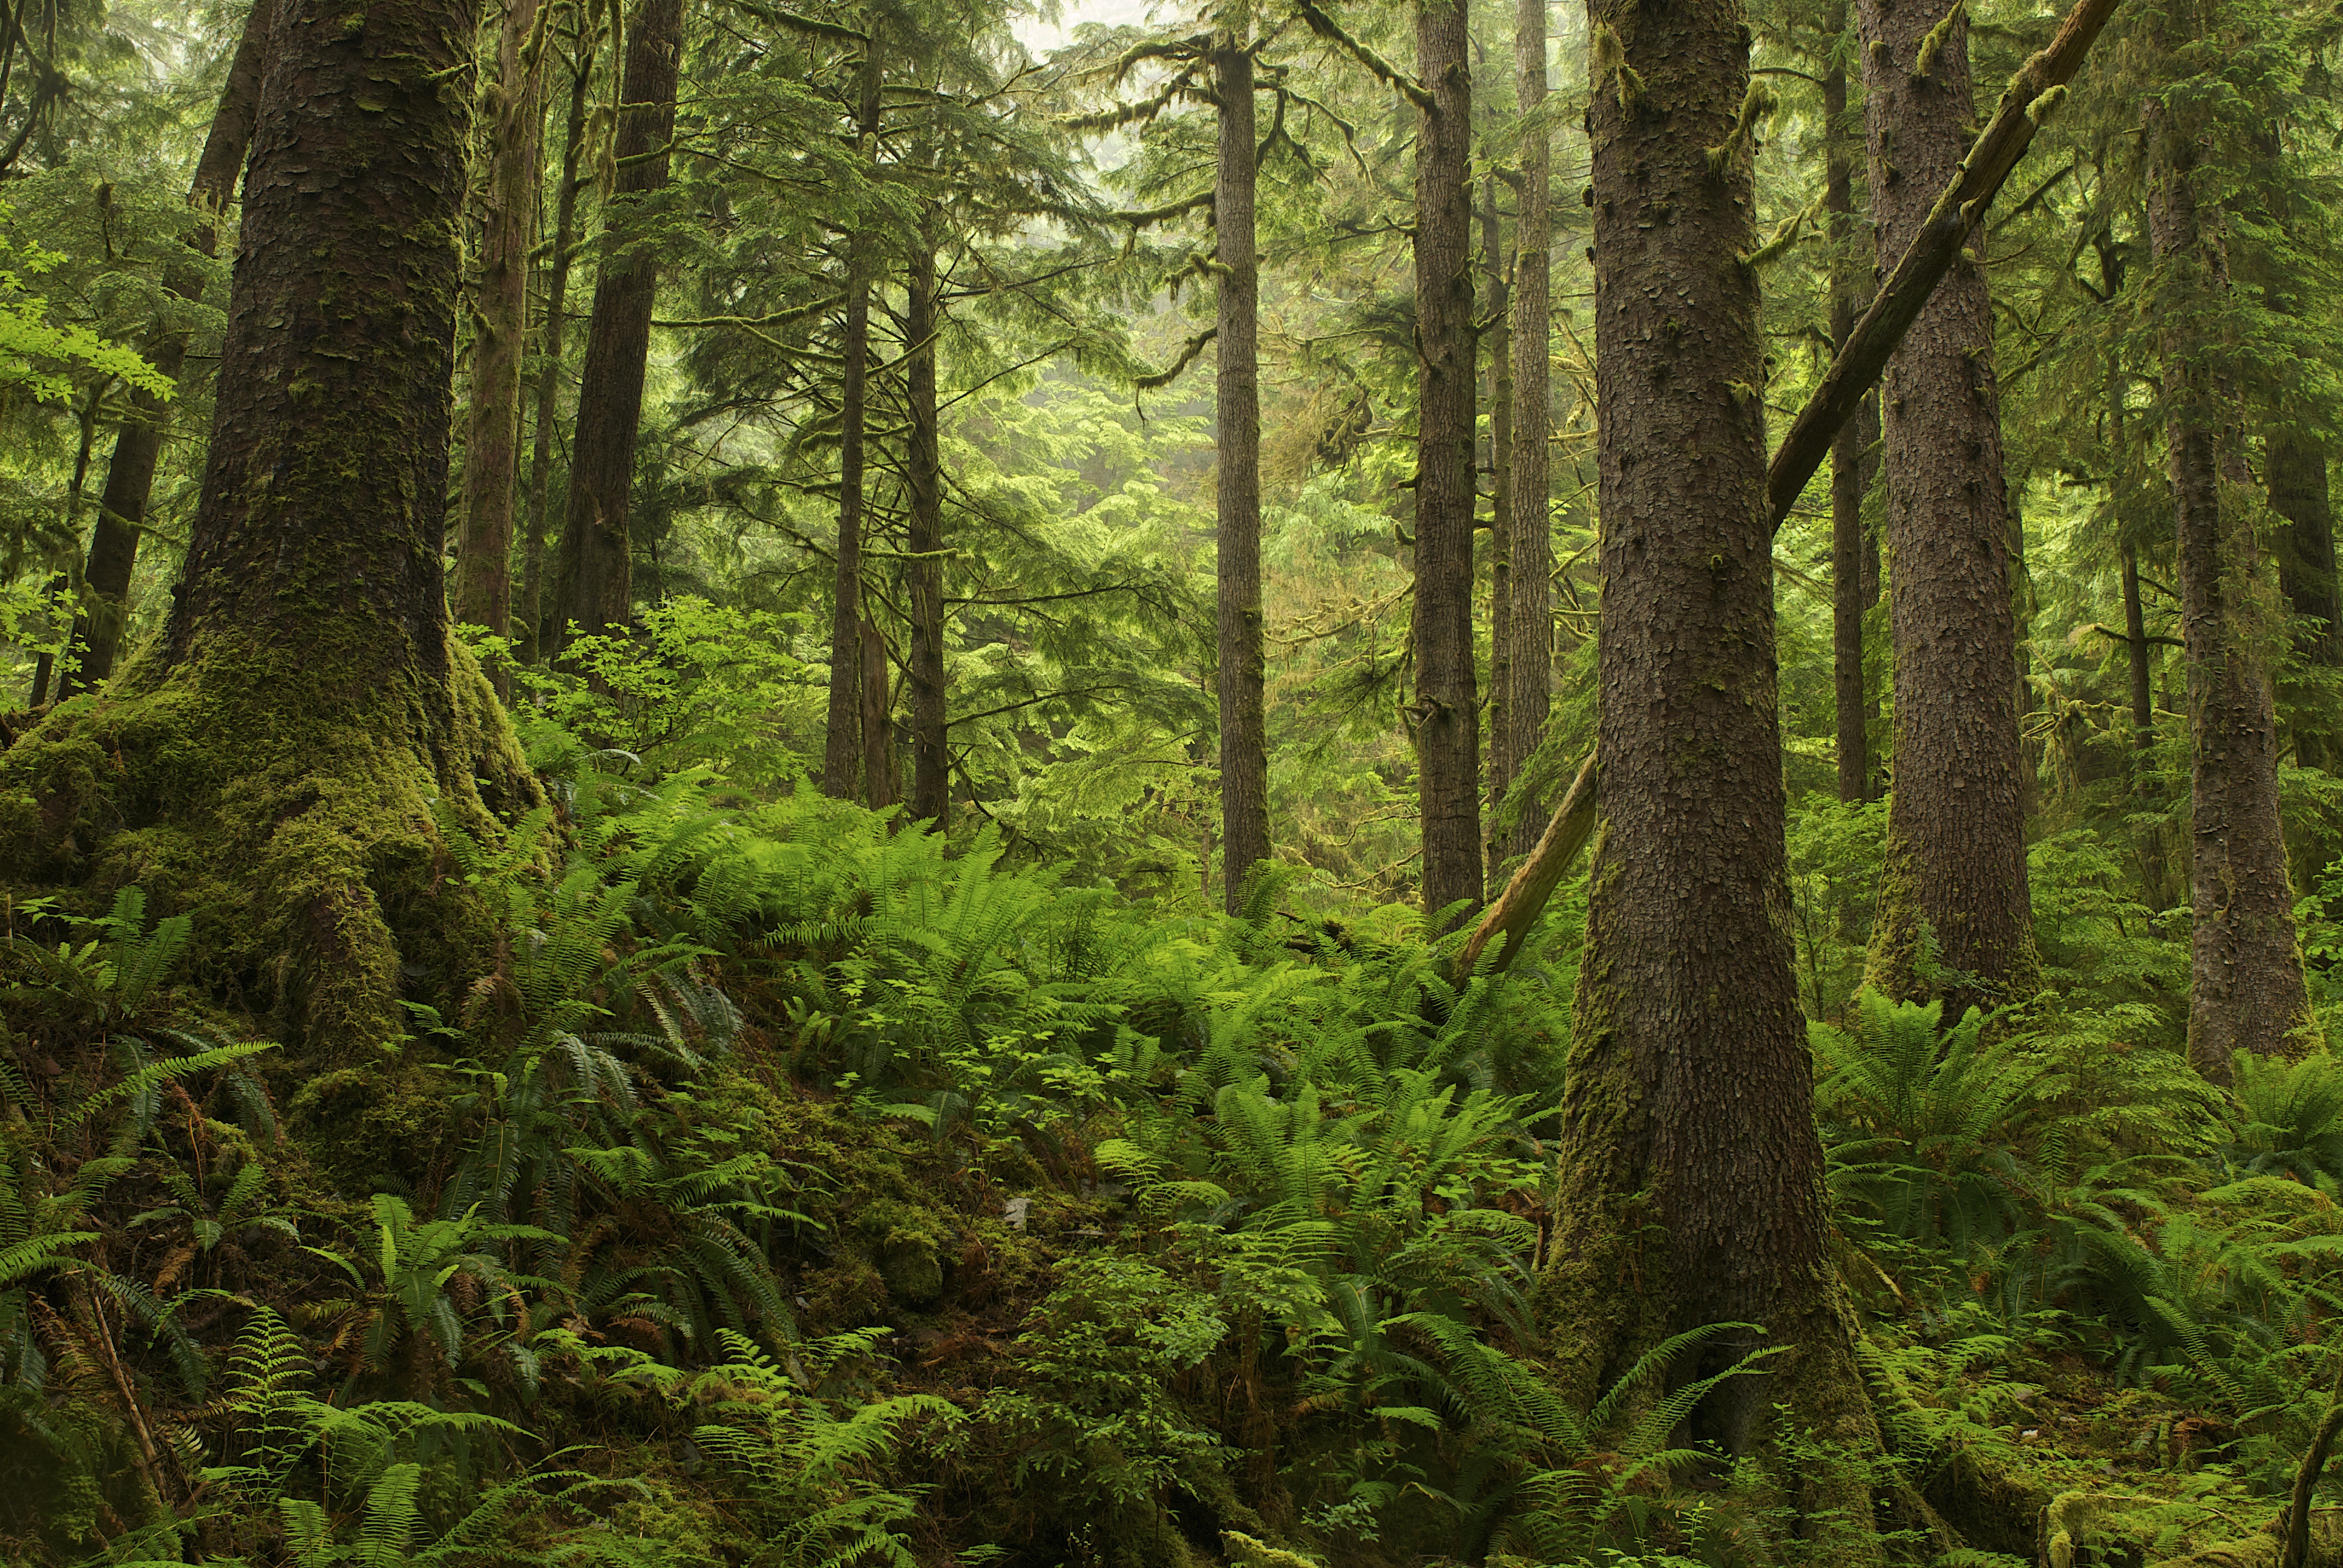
(292, 818)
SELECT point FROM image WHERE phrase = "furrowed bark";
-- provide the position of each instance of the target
(596, 587)
(548, 380)
(481, 593)
(930, 776)
(2030, 97)
(138, 445)
(1530, 535)
(2246, 982)
(1244, 733)
(1955, 872)
(842, 739)
(1448, 704)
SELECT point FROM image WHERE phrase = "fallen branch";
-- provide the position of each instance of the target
(1524, 897)
(2032, 96)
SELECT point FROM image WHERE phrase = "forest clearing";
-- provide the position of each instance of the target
(1254, 783)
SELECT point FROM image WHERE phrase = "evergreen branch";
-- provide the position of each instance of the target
(1187, 352)
(1326, 28)
(794, 23)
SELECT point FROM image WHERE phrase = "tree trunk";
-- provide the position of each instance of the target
(930, 778)
(130, 476)
(1503, 764)
(1244, 734)
(1529, 544)
(1956, 853)
(279, 763)
(596, 561)
(2143, 702)
(843, 744)
(879, 775)
(2246, 985)
(483, 586)
(1851, 596)
(2297, 472)
(1691, 1177)
(1448, 705)
(556, 322)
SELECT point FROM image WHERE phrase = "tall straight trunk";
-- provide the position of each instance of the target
(596, 587)
(1529, 531)
(482, 592)
(930, 778)
(842, 743)
(2246, 985)
(1689, 1161)
(2295, 469)
(879, 772)
(130, 476)
(1503, 764)
(1448, 702)
(1956, 853)
(1244, 732)
(2143, 700)
(556, 322)
(279, 763)
(1849, 602)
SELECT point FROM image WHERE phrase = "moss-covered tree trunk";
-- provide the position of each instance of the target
(1691, 1176)
(924, 478)
(1529, 542)
(1448, 703)
(842, 733)
(1852, 589)
(597, 576)
(1956, 853)
(1497, 337)
(1243, 674)
(2246, 986)
(482, 590)
(138, 447)
(556, 323)
(275, 763)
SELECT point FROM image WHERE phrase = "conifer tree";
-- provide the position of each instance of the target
(1528, 492)
(1244, 735)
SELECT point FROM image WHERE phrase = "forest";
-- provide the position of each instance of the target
(1210, 784)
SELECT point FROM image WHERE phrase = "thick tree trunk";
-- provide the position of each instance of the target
(1244, 733)
(1691, 1176)
(1853, 591)
(1503, 764)
(597, 559)
(548, 379)
(2297, 472)
(930, 778)
(2246, 985)
(482, 591)
(879, 775)
(130, 476)
(1529, 553)
(1955, 855)
(280, 762)
(842, 741)
(1448, 705)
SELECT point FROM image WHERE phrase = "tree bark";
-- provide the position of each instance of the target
(2297, 475)
(597, 559)
(1503, 763)
(1955, 852)
(879, 775)
(1244, 733)
(1691, 1176)
(556, 323)
(1851, 596)
(1530, 531)
(482, 592)
(280, 762)
(1448, 703)
(138, 447)
(2143, 701)
(842, 742)
(2246, 982)
(930, 777)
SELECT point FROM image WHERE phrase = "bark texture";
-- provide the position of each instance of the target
(130, 476)
(481, 593)
(1852, 591)
(1503, 764)
(1448, 701)
(842, 738)
(548, 379)
(1956, 853)
(597, 559)
(1529, 565)
(1690, 1169)
(1244, 733)
(2246, 985)
(930, 778)
(281, 762)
